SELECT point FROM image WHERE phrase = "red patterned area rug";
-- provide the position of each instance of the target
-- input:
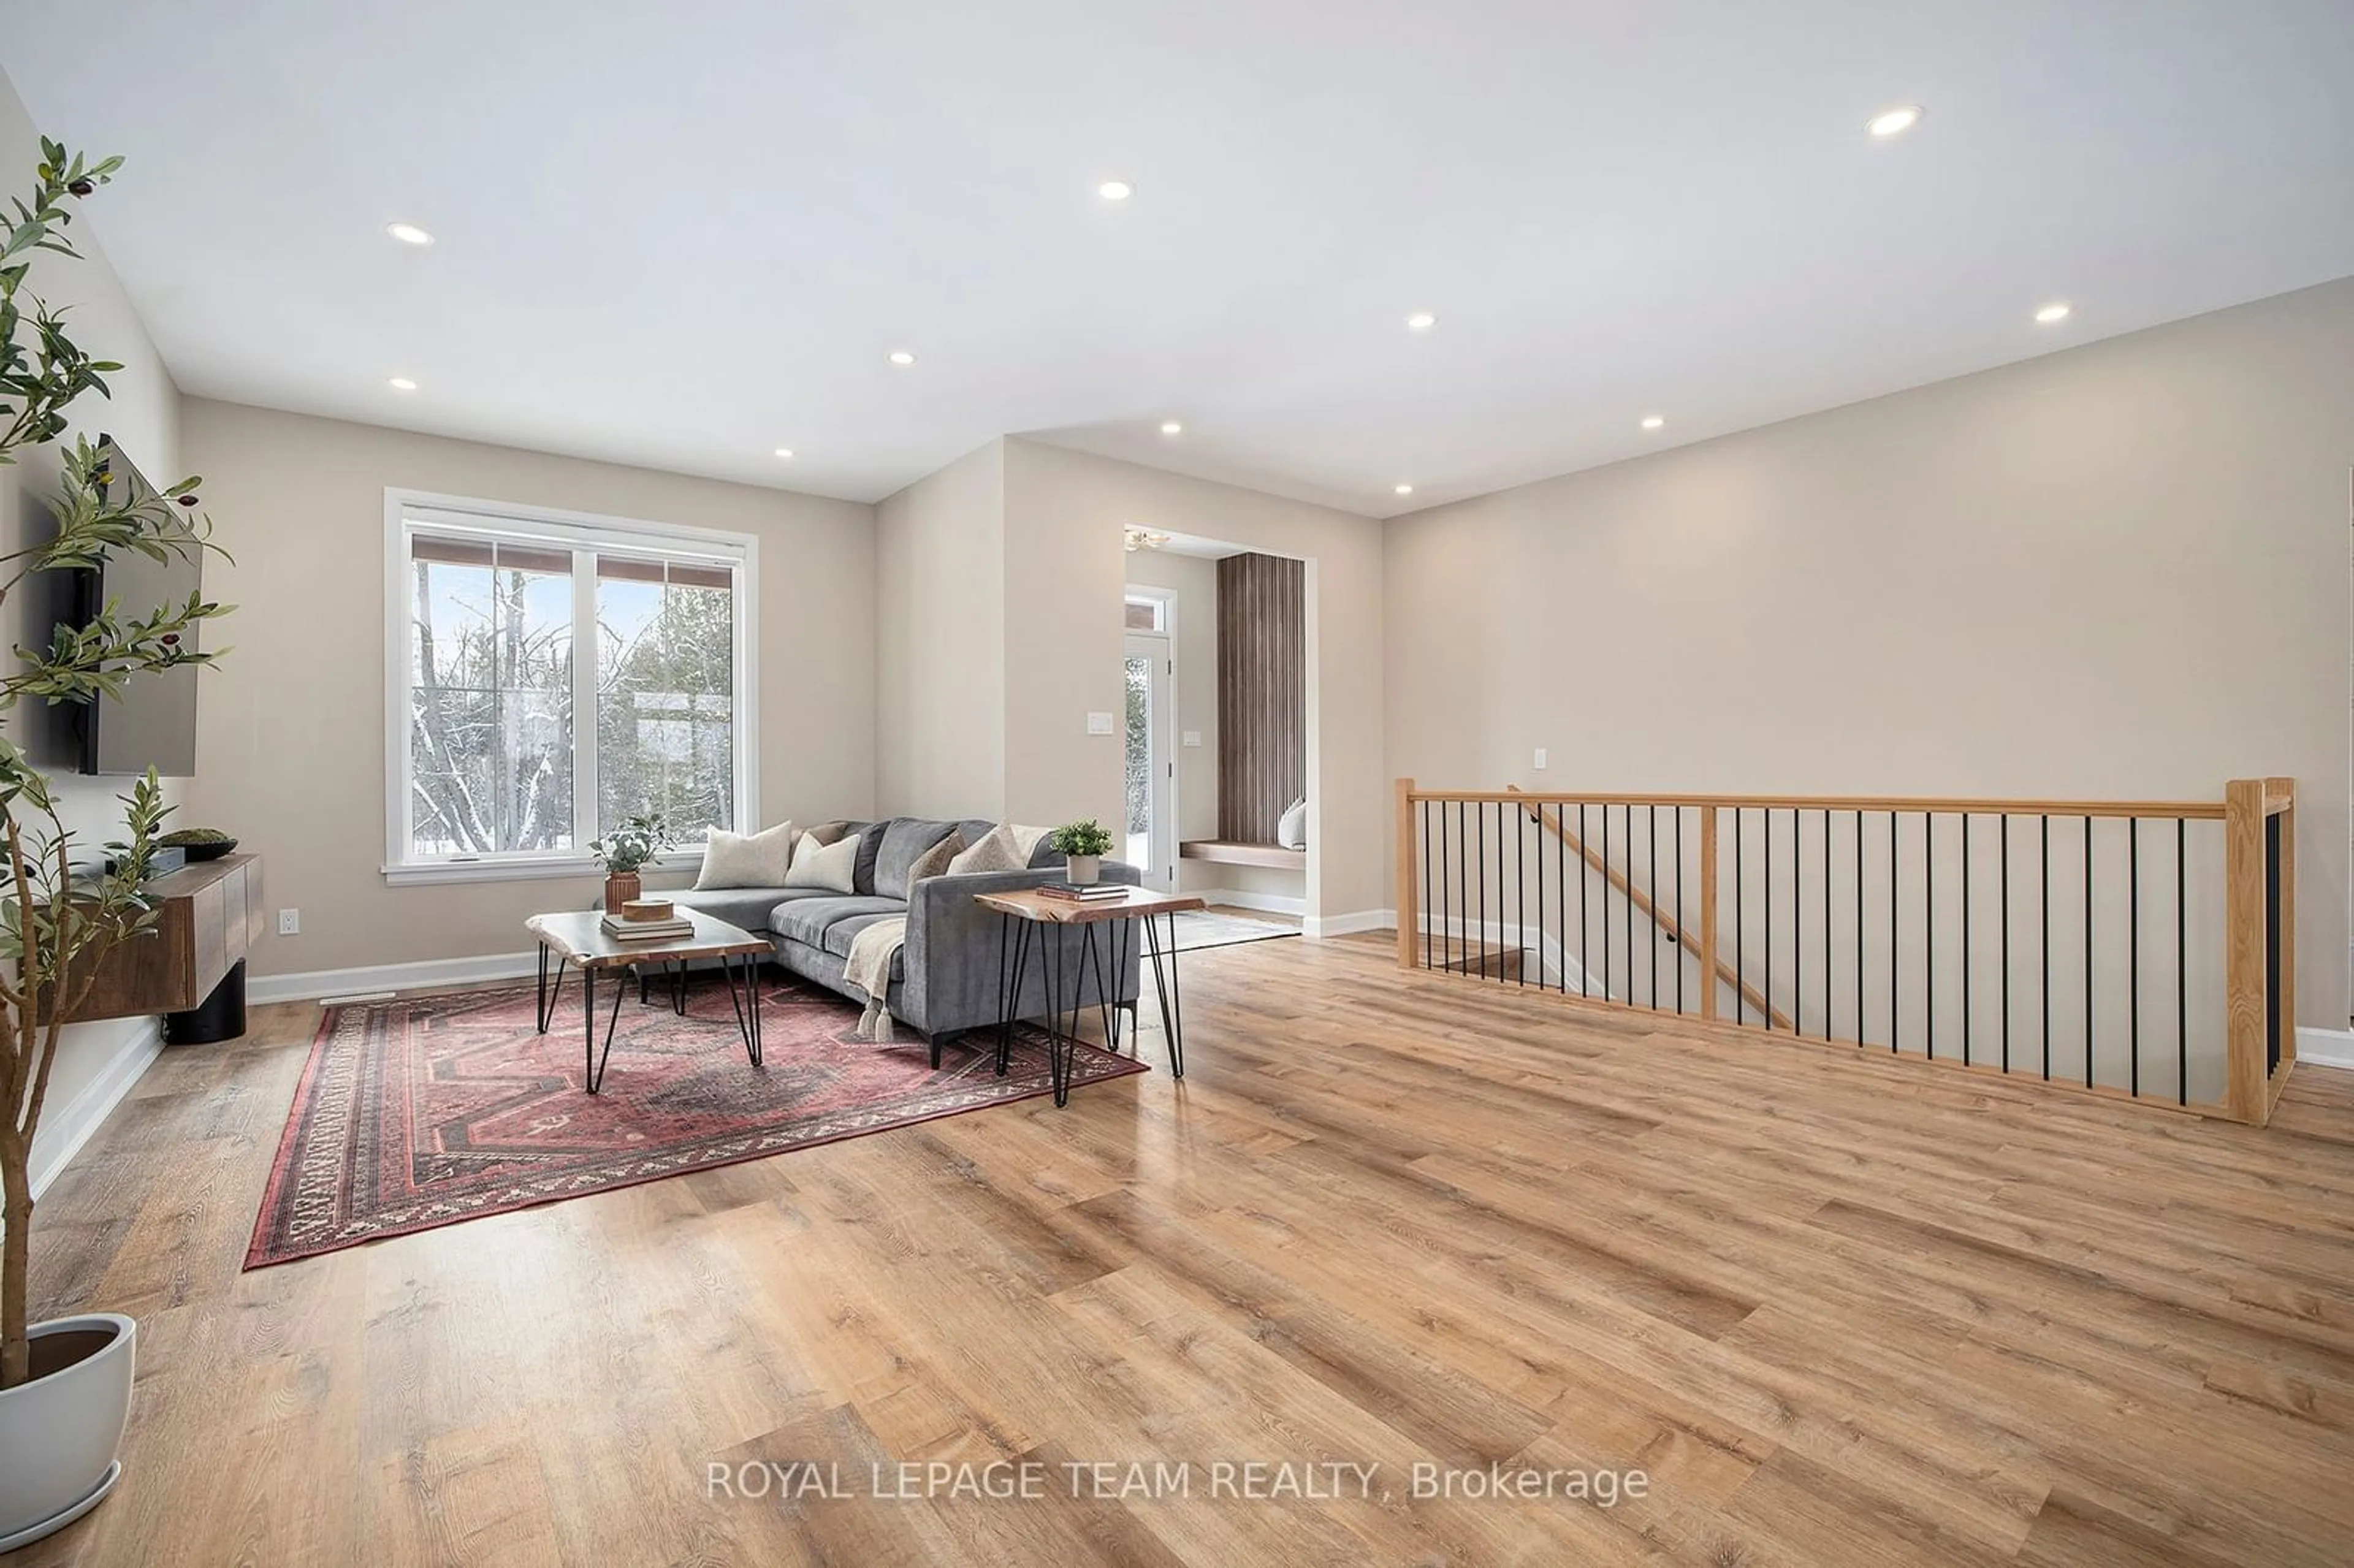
(432, 1109)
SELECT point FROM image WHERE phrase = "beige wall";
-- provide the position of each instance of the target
(1064, 568)
(291, 751)
(143, 414)
(1194, 580)
(2115, 572)
(940, 641)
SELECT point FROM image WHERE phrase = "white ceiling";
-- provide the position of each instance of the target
(685, 236)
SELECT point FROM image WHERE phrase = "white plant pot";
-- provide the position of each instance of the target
(59, 1433)
(1083, 869)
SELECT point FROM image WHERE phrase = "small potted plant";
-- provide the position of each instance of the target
(1083, 846)
(637, 840)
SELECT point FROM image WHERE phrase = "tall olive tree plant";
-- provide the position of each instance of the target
(55, 927)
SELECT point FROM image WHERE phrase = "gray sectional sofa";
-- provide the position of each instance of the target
(946, 979)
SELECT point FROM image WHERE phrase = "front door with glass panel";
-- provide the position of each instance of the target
(1151, 802)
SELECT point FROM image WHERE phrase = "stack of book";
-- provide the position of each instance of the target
(627, 930)
(1092, 893)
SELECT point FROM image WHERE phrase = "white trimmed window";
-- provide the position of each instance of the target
(552, 674)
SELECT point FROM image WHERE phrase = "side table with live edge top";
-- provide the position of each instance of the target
(1030, 920)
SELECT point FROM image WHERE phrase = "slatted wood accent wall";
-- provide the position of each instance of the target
(1262, 693)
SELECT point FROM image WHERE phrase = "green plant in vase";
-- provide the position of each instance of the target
(1082, 844)
(64, 1385)
(624, 850)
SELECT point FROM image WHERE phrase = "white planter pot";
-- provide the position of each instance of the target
(1083, 869)
(59, 1433)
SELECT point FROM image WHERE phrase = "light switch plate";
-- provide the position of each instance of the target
(1540, 762)
(1193, 737)
(1100, 724)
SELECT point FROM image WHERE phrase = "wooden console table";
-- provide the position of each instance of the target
(207, 917)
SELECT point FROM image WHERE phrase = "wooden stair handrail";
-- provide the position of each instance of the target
(2193, 811)
(1560, 829)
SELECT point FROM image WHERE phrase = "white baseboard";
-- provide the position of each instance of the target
(312, 984)
(1320, 925)
(2327, 1047)
(66, 1128)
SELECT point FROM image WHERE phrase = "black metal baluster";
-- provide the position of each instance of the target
(1680, 911)
(1541, 902)
(1827, 921)
(1965, 936)
(1520, 889)
(1892, 948)
(2006, 941)
(2133, 927)
(1606, 901)
(1428, 885)
(1740, 928)
(2088, 952)
(2181, 970)
(1585, 940)
(1626, 821)
(1768, 835)
(1798, 931)
(1858, 925)
(1929, 931)
(1651, 876)
(1479, 815)
(2047, 946)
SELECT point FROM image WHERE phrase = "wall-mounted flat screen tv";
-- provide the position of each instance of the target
(154, 723)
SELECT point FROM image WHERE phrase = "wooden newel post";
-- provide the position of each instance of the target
(2259, 944)
(1409, 884)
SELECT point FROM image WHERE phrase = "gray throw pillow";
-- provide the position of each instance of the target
(905, 842)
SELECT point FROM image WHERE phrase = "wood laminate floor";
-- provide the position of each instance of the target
(1837, 1309)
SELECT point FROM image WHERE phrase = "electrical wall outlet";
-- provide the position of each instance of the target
(1193, 737)
(1539, 764)
(1100, 724)
(289, 922)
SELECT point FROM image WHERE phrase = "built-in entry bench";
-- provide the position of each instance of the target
(1228, 853)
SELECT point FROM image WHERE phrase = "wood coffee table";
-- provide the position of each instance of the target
(579, 938)
(1028, 913)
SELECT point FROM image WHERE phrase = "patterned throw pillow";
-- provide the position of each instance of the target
(834, 866)
(995, 852)
(934, 861)
(747, 860)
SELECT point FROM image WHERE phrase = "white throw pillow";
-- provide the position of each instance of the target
(747, 860)
(832, 866)
(996, 851)
(1291, 828)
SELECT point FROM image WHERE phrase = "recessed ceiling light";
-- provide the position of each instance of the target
(2057, 311)
(1115, 190)
(1171, 428)
(901, 356)
(408, 233)
(401, 384)
(1421, 320)
(1653, 421)
(784, 452)
(1406, 490)
(1894, 121)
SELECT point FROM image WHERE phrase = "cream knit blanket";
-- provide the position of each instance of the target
(869, 969)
